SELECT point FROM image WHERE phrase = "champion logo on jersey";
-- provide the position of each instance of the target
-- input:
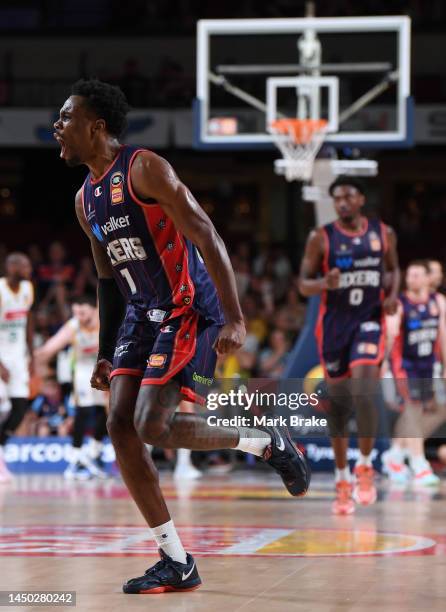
(98, 191)
(162, 223)
(117, 188)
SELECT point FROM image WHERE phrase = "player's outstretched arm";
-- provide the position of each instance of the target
(311, 266)
(56, 343)
(153, 177)
(110, 301)
(393, 273)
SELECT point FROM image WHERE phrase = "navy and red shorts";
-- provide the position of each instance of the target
(360, 345)
(157, 348)
(414, 381)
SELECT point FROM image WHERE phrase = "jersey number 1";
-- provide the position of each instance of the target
(128, 277)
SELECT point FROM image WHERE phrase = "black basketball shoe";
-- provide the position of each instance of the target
(288, 461)
(166, 575)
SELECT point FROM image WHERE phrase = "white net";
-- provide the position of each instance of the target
(299, 141)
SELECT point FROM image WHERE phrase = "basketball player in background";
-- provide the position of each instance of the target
(16, 345)
(417, 336)
(164, 315)
(82, 333)
(346, 262)
(436, 279)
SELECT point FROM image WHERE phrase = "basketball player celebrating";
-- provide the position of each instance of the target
(420, 326)
(16, 338)
(352, 254)
(150, 239)
(82, 333)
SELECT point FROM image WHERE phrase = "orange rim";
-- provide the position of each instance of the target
(301, 130)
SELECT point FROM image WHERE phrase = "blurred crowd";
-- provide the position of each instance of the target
(156, 15)
(267, 288)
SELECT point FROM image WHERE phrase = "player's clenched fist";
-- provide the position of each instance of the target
(231, 338)
(332, 278)
(100, 378)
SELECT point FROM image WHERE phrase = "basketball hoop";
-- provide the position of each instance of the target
(299, 141)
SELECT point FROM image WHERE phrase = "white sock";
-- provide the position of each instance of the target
(419, 463)
(253, 441)
(342, 474)
(365, 460)
(183, 457)
(75, 455)
(167, 539)
(95, 448)
(397, 453)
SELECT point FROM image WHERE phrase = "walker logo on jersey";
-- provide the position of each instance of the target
(343, 263)
(125, 249)
(98, 191)
(157, 360)
(117, 188)
(375, 242)
(97, 232)
(115, 224)
(367, 348)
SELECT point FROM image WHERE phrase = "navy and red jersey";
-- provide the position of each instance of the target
(154, 265)
(358, 300)
(418, 341)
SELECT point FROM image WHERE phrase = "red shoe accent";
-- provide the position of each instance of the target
(364, 492)
(167, 589)
(343, 504)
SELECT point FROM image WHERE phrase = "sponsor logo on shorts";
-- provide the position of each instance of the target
(370, 326)
(332, 366)
(117, 188)
(203, 380)
(156, 315)
(367, 348)
(157, 360)
(122, 349)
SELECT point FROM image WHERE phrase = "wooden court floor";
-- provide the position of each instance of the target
(257, 549)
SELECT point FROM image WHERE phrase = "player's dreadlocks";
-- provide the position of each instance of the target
(107, 101)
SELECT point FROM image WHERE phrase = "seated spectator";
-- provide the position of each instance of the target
(290, 317)
(255, 322)
(55, 278)
(272, 359)
(86, 279)
(52, 415)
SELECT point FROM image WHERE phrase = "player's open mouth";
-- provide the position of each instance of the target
(61, 143)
